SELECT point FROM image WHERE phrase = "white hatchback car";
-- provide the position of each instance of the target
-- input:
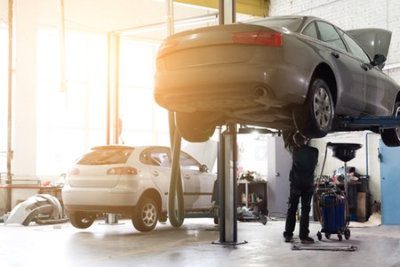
(134, 182)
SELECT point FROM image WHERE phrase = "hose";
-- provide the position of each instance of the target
(318, 209)
(323, 164)
(175, 195)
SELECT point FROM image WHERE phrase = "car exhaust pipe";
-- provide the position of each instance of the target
(260, 91)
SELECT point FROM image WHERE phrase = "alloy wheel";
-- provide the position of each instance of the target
(322, 107)
(149, 214)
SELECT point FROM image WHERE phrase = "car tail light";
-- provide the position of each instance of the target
(74, 171)
(122, 171)
(267, 38)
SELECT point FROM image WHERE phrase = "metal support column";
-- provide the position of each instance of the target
(9, 103)
(114, 126)
(227, 184)
(227, 11)
(227, 158)
(175, 193)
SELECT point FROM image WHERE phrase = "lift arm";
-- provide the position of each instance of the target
(383, 122)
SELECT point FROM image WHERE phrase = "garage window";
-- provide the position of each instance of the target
(143, 120)
(3, 97)
(69, 121)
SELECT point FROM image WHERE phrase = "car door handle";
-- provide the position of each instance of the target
(335, 54)
(365, 67)
(155, 173)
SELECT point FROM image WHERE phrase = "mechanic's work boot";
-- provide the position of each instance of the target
(307, 240)
(288, 237)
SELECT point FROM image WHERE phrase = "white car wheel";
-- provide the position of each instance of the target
(146, 216)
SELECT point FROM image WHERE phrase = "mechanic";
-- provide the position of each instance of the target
(301, 178)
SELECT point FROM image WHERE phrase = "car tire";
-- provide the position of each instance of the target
(194, 127)
(391, 137)
(81, 220)
(146, 215)
(320, 110)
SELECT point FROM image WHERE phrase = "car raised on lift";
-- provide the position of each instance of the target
(133, 182)
(287, 73)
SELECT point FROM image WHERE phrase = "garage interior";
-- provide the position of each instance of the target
(79, 74)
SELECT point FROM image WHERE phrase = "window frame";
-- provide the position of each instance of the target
(349, 47)
(338, 30)
(316, 29)
(146, 158)
(346, 49)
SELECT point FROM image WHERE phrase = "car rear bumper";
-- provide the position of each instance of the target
(99, 197)
(239, 91)
(100, 209)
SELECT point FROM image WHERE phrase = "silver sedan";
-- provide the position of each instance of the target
(287, 73)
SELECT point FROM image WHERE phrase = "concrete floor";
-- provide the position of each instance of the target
(191, 245)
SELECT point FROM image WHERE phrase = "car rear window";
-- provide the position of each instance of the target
(292, 24)
(106, 156)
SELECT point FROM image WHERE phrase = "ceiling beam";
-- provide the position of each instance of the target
(250, 7)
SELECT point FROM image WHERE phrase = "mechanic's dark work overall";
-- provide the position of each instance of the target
(301, 178)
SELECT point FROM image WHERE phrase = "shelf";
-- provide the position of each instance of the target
(247, 192)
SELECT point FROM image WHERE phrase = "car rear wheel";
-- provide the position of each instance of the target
(319, 110)
(391, 137)
(195, 127)
(81, 220)
(146, 215)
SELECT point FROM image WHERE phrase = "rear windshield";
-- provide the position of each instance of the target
(292, 24)
(106, 156)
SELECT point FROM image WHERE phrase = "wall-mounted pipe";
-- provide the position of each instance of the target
(9, 103)
(63, 79)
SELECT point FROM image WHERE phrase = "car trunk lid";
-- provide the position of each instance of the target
(177, 50)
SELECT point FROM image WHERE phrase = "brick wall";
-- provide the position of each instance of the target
(352, 14)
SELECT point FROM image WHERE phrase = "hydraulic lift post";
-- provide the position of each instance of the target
(227, 158)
